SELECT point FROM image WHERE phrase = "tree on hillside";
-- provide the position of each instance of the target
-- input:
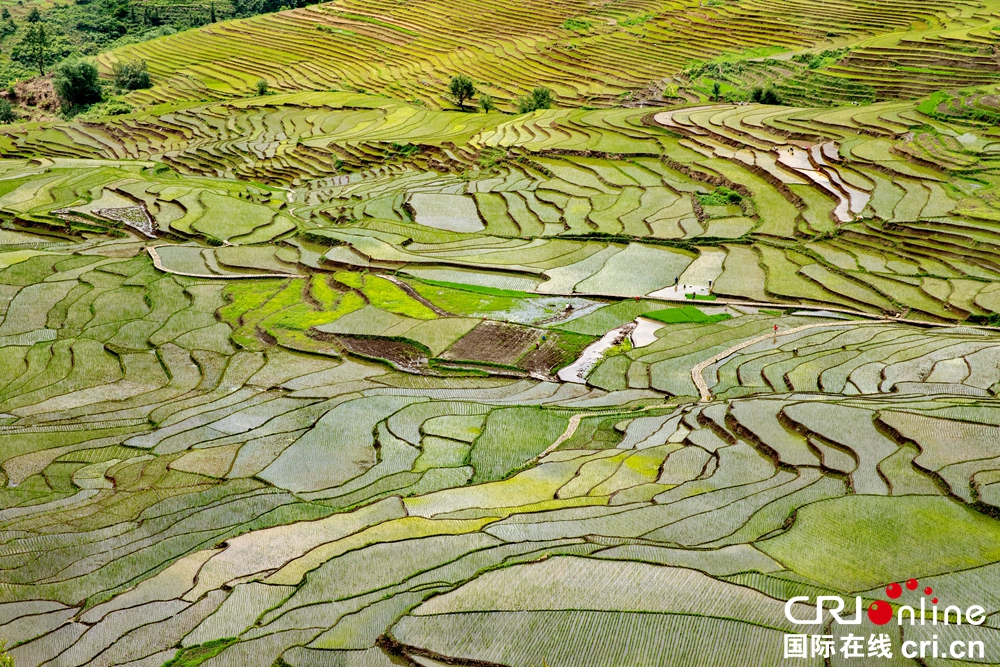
(7, 115)
(5, 14)
(37, 45)
(461, 89)
(77, 84)
(34, 16)
(251, 7)
(486, 103)
(7, 26)
(261, 87)
(767, 95)
(716, 91)
(540, 98)
(131, 74)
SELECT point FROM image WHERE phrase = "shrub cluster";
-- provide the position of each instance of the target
(131, 75)
(77, 84)
(539, 98)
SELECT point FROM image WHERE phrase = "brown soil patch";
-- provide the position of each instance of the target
(402, 355)
(494, 343)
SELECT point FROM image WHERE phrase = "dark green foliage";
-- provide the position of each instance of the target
(768, 95)
(195, 655)
(7, 113)
(721, 197)
(253, 7)
(37, 46)
(540, 98)
(131, 75)
(993, 319)
(721, 70)
(116, 108)
(261, 87)
(7, 28)
(716, 91)
(941, 105)
(89, 27)
(247, 7)
(486, 103)
(634, 20)
(404, 150)
(577, 25)
(491, 157)
(822, 59)
(461, 89)
(77, 84)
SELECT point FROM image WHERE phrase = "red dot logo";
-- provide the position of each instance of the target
(928, 590)
(893, 591)
(880, 612)
(934, 600)
(911, 584)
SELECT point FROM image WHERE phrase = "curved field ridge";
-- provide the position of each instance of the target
(158, 263)
(697, 371)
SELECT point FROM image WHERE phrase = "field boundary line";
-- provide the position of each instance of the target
(699, 368)
(416, 295)
(574, 422)
(158, 263)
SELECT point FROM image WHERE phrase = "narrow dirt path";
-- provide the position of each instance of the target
(574, 422)
(699, 368)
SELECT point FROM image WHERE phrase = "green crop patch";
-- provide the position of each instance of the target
(720, 197)
(196, 655)
(481, 289)
(576, 25)
(684, 314)
(865, 525)
(493, 458)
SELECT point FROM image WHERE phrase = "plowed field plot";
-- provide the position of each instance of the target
(398, 353)
(494, 343)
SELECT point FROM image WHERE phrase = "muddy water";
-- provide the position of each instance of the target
(645, 332)
(578, 370)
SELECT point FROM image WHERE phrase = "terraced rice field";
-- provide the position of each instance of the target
(329, 377)
(586, 54)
